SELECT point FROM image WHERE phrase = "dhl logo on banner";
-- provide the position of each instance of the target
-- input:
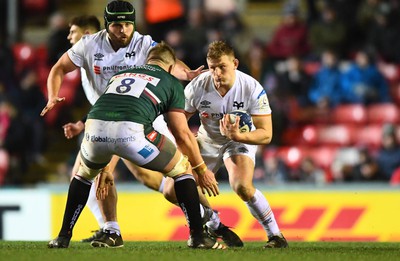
(302, 216)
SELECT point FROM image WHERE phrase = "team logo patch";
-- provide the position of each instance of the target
(238, 105)
(130, 55)
(152, 136)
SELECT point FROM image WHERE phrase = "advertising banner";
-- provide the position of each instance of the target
(301, 215)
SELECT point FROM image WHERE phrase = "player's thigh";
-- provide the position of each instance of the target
(239, 161)
(211, 153)
(95, 146)
(150, 178)
(240, 169)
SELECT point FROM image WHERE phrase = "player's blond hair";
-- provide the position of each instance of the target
(162, 52)
(217, 49)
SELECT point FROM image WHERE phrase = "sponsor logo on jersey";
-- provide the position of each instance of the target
(204, 114)
(217, 116)
(205, 104)
(98, 57)
(130, 55)
(152, 136)
(238, 105)
(97, 69)
(116, 68)
(146, 151)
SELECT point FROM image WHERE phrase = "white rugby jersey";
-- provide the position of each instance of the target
(100, 62)
(246, 94)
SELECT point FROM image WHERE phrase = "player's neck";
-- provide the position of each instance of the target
(223, 89)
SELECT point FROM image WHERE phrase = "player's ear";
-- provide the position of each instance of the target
(170, 68)
(236, 63)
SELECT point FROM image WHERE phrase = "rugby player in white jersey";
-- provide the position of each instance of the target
(213, 95)
(120, 123)
(117, 48)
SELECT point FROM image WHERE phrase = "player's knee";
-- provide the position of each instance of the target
(244, 192)
(87, 172)
(169, 191)
(180, 167)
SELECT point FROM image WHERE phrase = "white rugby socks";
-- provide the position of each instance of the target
(94, 206)
(261, 210)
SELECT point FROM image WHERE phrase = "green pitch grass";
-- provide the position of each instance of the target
(252, 251)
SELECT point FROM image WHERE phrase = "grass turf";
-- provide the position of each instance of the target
(252, 251)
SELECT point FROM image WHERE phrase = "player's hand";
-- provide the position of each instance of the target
(191, 74)
(103, 181)
(73, 129)
(228, 129)
(50, 104)
(208, 183)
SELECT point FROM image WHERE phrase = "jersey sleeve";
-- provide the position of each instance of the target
(76, 53)
(189, 98)
(147, 44)
(260, 100)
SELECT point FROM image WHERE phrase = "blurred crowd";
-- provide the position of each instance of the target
(323, 56)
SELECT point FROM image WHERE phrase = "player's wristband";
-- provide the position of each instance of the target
(200, 168)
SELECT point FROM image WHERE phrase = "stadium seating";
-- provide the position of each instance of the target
(24, 55)
(349, 114)
(332, 134)
(292, 156)
(383, 113)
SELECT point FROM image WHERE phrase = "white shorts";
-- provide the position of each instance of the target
(214, 154)
(126, 139)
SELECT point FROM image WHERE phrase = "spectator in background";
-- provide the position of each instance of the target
(388, 156)
(290, 37)
(57, 42)
(294, 82)
(29, 101)
(363, 83)
(325, 90)
(81, 25)
(276, 171)
(195, 38)
(15, 144)
(384, 34)
(328, 33)
(309, 173)
(346, 12)
(366, 169)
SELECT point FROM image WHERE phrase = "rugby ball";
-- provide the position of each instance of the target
(245, 123)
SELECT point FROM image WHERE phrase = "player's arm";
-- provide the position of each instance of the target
(184, 73)
(189, 115)
(261, 136)
(188, 145)
(63, 66)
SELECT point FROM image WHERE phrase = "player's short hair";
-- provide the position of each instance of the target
(217, 49)
(162, 52)
(119, 11)
(86, 22)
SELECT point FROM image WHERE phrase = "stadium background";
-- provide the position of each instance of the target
(33, 187)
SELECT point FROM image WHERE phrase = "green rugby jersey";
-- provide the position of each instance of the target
(139, 95)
